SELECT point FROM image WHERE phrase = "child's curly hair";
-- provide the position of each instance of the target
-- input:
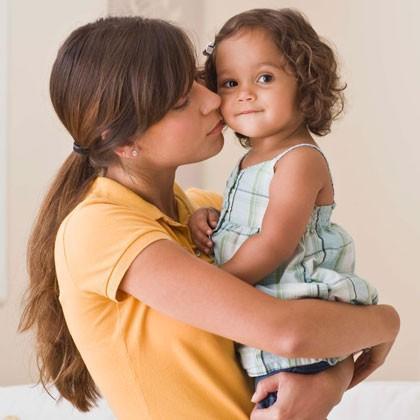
(320, 94)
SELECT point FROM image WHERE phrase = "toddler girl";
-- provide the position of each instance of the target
(279, 85)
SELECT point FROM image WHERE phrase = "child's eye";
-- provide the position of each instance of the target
(229, 84)
(265, 78)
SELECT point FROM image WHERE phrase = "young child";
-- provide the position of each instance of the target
(279, 85)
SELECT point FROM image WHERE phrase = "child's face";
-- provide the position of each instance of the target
(258, 93)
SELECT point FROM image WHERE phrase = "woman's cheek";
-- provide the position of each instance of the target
(225, 109)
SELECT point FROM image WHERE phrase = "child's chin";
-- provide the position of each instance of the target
(248, 133)
(242, 132)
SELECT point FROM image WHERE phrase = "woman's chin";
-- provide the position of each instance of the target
(217, 146)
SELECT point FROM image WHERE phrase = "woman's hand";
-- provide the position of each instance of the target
(369, 361)
(201, 224)
(303, 397)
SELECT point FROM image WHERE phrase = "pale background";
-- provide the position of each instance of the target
(373, 149)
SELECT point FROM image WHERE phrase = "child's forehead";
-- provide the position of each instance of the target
(253, 33)
(250, 46)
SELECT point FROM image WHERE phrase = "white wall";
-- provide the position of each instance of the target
(373, 150)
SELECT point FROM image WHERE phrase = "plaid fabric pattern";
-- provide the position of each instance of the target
(322, 267)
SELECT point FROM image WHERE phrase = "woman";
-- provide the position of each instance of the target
(118, 294)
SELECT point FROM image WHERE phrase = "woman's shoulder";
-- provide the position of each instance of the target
(99, 240)
(202, 198)
(103, 223)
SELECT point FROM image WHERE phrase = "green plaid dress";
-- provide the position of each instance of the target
(322, 267)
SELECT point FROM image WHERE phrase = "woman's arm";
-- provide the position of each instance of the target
(169, 279)
(303, 397)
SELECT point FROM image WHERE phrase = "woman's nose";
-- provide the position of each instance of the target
(210, 100)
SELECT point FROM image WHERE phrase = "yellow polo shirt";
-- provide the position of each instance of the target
(146, 365)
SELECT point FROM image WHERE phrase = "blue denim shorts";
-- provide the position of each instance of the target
(271, 398)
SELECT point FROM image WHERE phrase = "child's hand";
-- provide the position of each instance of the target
(201, 224)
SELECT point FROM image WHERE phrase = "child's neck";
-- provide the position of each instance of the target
(264, 148)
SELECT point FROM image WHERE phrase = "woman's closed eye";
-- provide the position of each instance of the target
(265, 78)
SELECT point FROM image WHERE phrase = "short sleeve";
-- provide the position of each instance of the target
(201, 198)
(100, 242)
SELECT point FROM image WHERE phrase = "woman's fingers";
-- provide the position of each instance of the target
(264, 387)
(363, 367)
(369, 361)
(265, 414)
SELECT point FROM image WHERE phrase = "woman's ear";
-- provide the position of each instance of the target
(128, 151)
(124, 151)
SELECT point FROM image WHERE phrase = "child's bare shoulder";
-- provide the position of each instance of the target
(303, 159)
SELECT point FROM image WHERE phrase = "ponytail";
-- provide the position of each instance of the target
(58, 359)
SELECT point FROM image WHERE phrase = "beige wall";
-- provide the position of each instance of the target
(372, 150)
(37, 142)
(36, 145)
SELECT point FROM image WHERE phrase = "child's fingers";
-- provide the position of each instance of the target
(213, 217)
(203, 223)
(202, 241)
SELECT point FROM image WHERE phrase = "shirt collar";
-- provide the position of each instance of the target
(118, 193)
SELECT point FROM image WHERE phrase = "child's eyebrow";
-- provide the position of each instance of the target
(270, 64)
(223, 72)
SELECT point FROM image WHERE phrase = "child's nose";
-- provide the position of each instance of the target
(246, 94)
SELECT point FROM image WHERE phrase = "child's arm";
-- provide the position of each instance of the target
(299, 178)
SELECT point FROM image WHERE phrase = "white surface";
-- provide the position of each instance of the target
(31, 402)
(380, 401)
(368, 401)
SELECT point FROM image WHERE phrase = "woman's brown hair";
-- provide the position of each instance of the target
(310, 59)
(111, 80)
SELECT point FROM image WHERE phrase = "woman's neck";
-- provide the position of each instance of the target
(156, 187)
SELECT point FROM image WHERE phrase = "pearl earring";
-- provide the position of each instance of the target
(134, 153)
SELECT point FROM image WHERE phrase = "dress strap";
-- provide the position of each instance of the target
(277, 158)
(284, 152)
